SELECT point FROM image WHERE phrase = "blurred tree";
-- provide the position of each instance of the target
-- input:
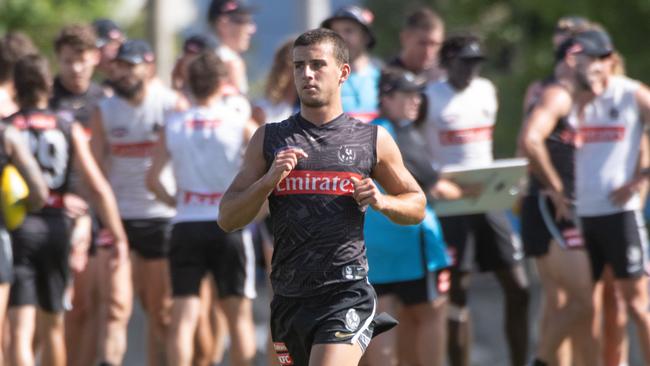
(517, 36)
(42, 19)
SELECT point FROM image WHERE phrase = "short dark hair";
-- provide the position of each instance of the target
(322, 35)
(80, 37)
(13, 46)
(452, 46)
(31, 80)
(423, 18)
(205, 74)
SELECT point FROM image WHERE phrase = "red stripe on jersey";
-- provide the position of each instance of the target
(317, 182)
(134, 150)
(35, 121)
(602, 134)
(465, 136)
(197, 198)
(199, 124)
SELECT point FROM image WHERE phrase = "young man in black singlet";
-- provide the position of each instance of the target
(317, 169)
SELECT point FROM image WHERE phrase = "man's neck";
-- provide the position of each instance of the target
(404, 60)
(71, 88)
(137, 99)
(322, 115)
(210, 100)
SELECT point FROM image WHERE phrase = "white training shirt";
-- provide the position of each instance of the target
(132, 132)
(227, 55)
(608, 148)
(205, 144)
(459, 124)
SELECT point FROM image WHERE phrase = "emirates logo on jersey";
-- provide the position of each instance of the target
(465, 136)
(35, 121)
(602, 134)
(317, 182)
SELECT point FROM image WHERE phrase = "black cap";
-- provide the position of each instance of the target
(395, 79)
(222, 7)
(135, 51)
(595, 43)
(471, 50)
(198, 43)
(361, 16)
(106, 31)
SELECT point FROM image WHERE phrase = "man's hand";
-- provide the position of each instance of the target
(74, 205)
(285, 161)
(561, 204)
(80, 238)
(621, 195)
(366, 193)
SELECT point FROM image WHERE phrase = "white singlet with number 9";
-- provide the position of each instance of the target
(50, 148)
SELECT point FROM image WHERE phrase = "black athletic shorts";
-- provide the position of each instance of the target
(6, 257)
(342, 315)
(199, 247)
(619, 240)
(487, 239)
(420, 291)
(539, 227)
(40, 247)
(149, 238)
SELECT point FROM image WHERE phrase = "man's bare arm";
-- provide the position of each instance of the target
(555, 102)
(160, 159)
(28, 168)
(404, 201)
(100, 190)
(99, 143)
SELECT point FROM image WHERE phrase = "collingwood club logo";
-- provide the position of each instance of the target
(352, 320)
(347, 155)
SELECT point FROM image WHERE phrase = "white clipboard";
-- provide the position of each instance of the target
(502, 182)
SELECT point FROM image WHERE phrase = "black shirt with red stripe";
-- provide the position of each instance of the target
(317, 224)
(49, 139)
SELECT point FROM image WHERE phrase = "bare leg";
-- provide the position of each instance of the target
(203, 337)
(22, 324)
(239, 314)
(115, 305)
(515, 288)
(430, 331)
(383, 349)
(635, 295)
(335, 354)
(459, 320)
(180, 340)
(53, 339)
(614, 314)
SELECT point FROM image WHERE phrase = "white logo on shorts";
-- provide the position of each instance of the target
(634, 255)
(352, 320)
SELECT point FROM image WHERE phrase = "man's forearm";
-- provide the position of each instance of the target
(405, 209)
(238, 209)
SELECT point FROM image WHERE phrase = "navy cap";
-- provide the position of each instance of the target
(361, 16)
(198, 43)
(223, 7)
(471, 50)
(135, 51)
(394, 79)
(106, 31)
(595, 43)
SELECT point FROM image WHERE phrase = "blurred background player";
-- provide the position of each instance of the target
(109, 38)
(459, 125)
(124, 130)
(13, 46)
(233, 24)
(359, 93)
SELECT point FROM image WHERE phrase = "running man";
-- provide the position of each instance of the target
(124, 130)
(460, 121)
(214, 130)
(317, 169)
(551, 235)
(41, 244)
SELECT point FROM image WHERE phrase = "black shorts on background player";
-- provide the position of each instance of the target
(422, 290)
(535, 233)
(6, 257)
(148, 237)
(41, 246)
(342, 315)
(620, 240)
(488, 239)
(199, 247)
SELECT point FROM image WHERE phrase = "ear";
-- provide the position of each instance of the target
(345, 73)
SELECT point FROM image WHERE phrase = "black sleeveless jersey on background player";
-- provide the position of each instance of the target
(49, 140)
(79, 105)
(560, 145)
(317, 224)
